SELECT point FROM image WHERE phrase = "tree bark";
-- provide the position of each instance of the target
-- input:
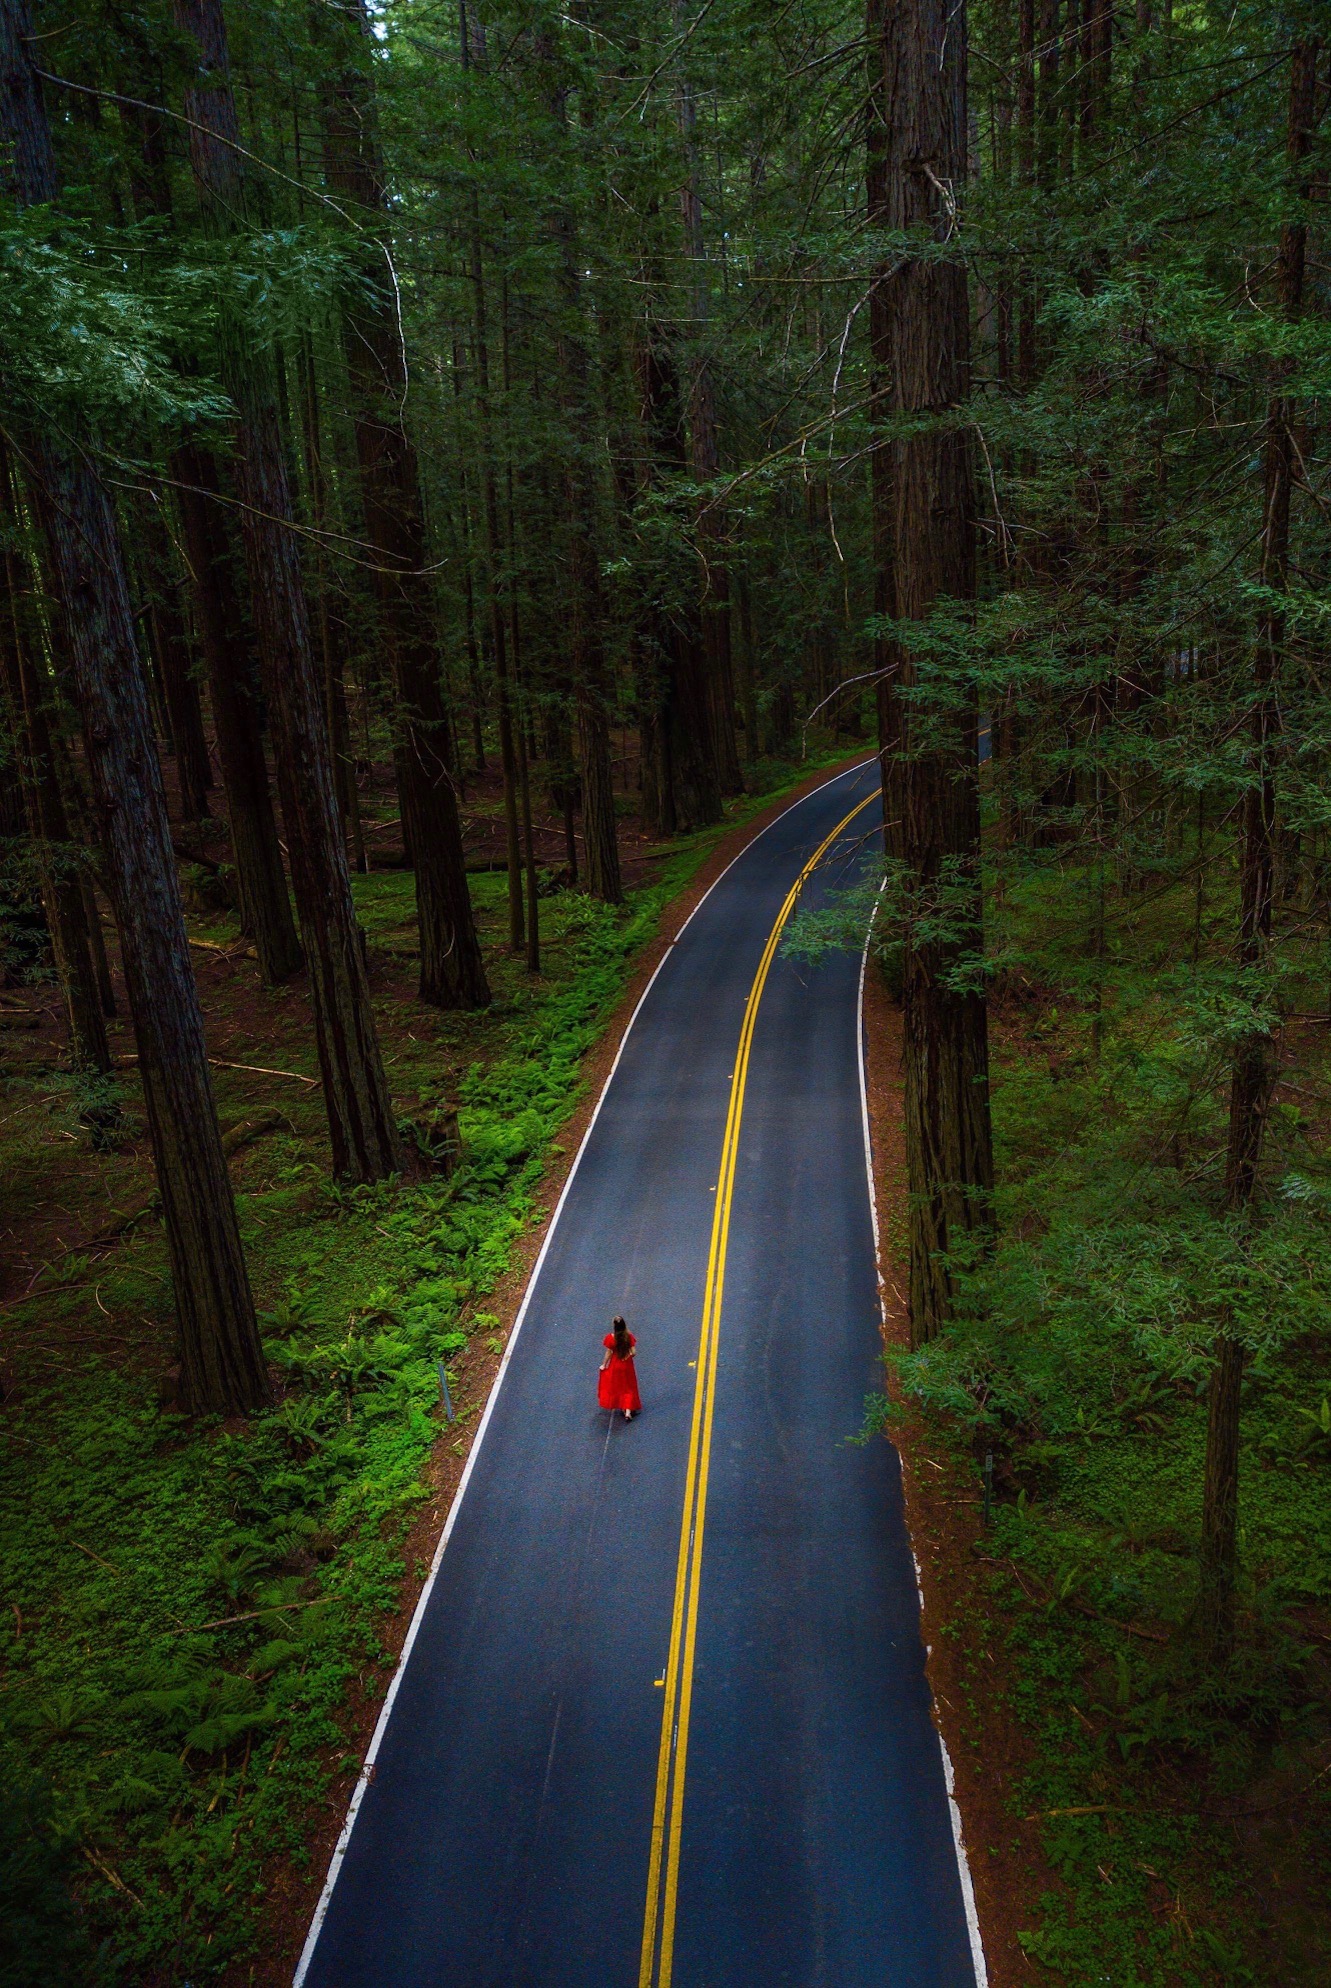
(1026, 173)
(925, 548)
(523, 706)
(1096, 56)
(331, 646)
(265, 908)
(452, 970)
(471, 39)
(1050, 50)
(171, 647)
(365, 1141)
(498, 630)
(685, 790)
(1253, 1071)
(221, 1356)
(533, 931)
(61, 884)
(474, 684)
(747, 675)
(591, 686)
(706, 455)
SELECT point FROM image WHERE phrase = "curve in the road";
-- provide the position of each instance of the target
(573, 1651)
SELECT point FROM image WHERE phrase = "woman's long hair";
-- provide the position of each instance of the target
(623, 1343)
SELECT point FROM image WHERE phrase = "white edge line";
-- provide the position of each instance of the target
(958, 1839)
(381, 1724)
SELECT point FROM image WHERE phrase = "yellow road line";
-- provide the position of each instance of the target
(658, 1929)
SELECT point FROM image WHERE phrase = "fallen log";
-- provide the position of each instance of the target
(243, 1133)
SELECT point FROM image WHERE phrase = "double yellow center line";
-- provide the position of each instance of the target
(658, 1927)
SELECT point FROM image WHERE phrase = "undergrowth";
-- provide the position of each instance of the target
(1183, 1805)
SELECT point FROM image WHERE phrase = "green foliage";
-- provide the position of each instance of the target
(1080, 1355)
(79, 342)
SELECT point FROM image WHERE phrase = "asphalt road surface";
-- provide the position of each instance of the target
(664, 1721)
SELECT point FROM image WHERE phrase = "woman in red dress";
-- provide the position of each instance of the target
(617, 1385)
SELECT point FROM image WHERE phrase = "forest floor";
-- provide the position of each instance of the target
(1134, 1814)
(199, 1622)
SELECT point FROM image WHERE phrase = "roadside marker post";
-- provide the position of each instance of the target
(447, 1397)
(988, 1486)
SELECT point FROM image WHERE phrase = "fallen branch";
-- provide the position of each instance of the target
(249, 1129)
(97, 1557)
(253, 1614)
(227, 952)
(1186, 1808)
(110, 1875)
(258, 1069)
(1095, 1808)
(1128, 1628)
(147, 1204)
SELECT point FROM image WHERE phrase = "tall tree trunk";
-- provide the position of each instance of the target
(61, 883)
(681, 733)
(747, 672)
(1253, 1070)
(330, 644)
(1050, 51)
(925, 541)
(147, 164)
(221, 1356)
(591, 686)
(452, 971)
(494, 548)
(521, 700)
(533, 932)
(1096, 55)
(476, 692)
(106, 988)
(706, 455)
(364, 1134)
(265, 908)
(171, 648)
(471, 41)
(1026, 173)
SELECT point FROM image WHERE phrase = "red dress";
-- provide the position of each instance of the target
(617, 1382)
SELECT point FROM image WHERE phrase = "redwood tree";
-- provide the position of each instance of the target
(452, 971)
(681, 790)
(705, 448)
(586, 626)
(924, 539)
(63, 897)
(265, 908)
(365, 1141)
(221, 1356)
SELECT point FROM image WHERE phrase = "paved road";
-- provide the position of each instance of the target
(802, 1832)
